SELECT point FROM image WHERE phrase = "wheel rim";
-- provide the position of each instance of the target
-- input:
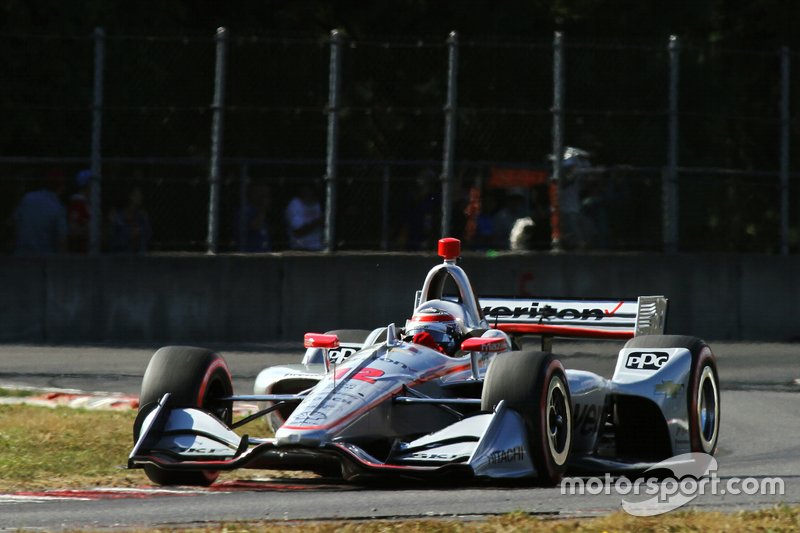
(559, 421)
(707, 409)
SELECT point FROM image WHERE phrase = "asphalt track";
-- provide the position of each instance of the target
(760, 437)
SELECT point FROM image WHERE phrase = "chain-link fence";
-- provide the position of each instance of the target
(689, 146)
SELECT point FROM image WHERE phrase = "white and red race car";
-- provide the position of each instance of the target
(449, 394)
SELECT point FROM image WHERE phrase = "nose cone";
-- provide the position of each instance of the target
(301, 437)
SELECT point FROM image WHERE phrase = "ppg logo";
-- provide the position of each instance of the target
(646, 360)
(338, 355)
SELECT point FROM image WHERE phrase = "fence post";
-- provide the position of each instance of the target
(97, 136)
(244, 185)
(558, 141)
(669, 193)
(214, 166)
(332, 155)
(449, 132)
(785, 132)
(385, 208)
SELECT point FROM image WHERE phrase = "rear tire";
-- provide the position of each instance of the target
(194, 377)
(534, 385)
(702, 394)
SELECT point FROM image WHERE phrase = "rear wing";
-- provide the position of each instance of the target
(591, 319)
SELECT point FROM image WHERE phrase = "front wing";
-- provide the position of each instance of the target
(491, 445)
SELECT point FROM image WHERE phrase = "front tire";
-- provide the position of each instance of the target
(194, 377)
(534, 384)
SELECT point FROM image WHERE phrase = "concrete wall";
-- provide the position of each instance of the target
(232, 298)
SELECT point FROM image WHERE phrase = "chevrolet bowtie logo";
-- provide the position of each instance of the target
(670, 389)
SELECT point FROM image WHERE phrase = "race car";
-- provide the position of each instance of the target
(450, 394)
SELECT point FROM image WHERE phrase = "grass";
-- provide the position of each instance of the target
(64, 448)
(16, 393)
(44, 448)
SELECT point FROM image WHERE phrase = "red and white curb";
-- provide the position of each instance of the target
(99, 493)
(109, 493)
(77, 400)
(94, 400)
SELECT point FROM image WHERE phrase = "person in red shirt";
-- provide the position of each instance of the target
(79, 214)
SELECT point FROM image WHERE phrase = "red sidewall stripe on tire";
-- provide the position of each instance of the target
(219, 362)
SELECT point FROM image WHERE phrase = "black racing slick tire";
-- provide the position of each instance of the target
(194, 377)
(534, 385)
(703, 392)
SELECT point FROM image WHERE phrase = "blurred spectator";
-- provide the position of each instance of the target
(40, 219)
(541, 237)
(516, 208)
(521, 237)
(463, 212)
(472, 210)
(251, 221)
(304, 220)
(595, 213)
(129, 225)
(573, 222)
(421, 217)
(485, 235)
(79, 214)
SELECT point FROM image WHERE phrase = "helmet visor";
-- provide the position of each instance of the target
(440, 337)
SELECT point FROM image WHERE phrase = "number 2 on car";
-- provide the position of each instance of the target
(365, 374)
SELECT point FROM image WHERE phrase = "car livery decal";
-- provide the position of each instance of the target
(614, 319)
(366, 374)
(436, 373)
(646, 360)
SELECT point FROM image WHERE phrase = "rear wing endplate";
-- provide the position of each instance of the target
(591, 319)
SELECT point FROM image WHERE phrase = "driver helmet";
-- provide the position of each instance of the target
(440, 326)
